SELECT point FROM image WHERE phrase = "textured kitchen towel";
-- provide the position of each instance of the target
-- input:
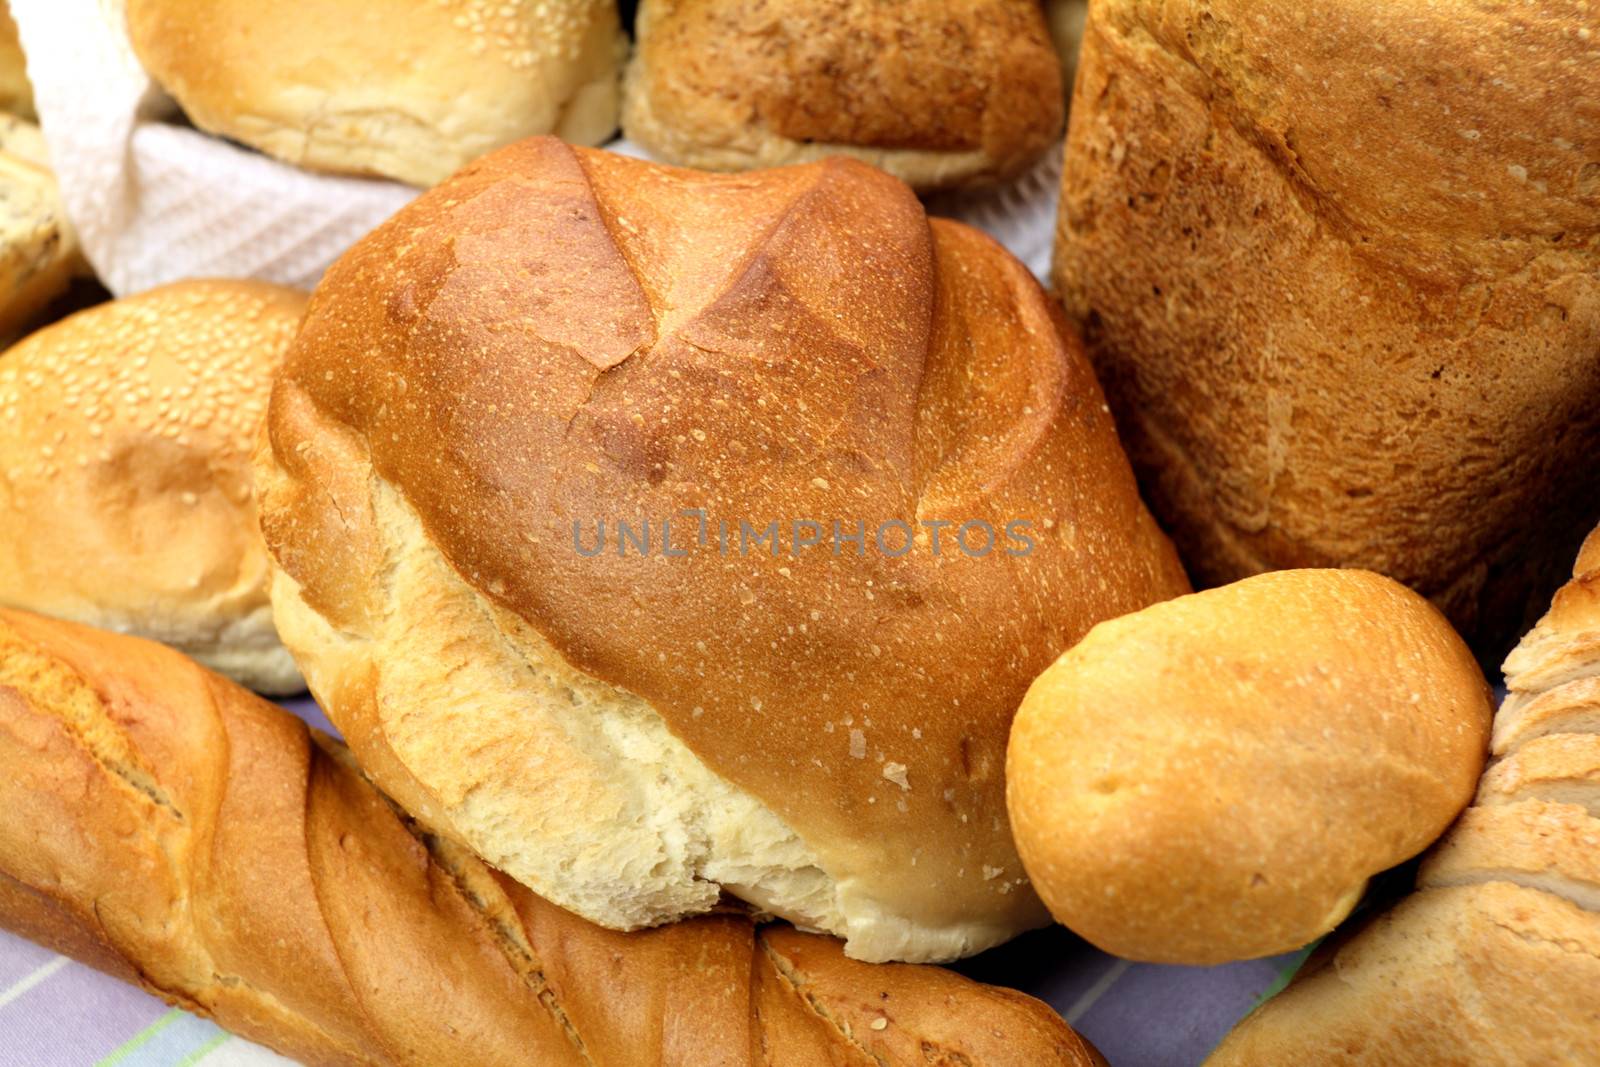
(153, 200)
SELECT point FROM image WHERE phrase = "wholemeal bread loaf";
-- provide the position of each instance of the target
(557, 339)
(39, 253)
(171, 829)
(394, 88)
(937, 94)
(125, 440)
(1338, 266)
(1495, 960)
(1217, 777)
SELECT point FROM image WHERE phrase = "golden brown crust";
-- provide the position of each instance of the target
(171, 829)
(1495, 959)
(793, 344)
(394, 88)
(1337, 266)
(126, 432)
(1216, 777)
(937, 94)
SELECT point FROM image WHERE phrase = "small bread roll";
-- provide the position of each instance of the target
(39, 253)
(1216, 777)
(937, 94)
(395, 88)
(125, 493)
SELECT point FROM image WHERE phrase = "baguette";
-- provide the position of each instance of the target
(1496, 958)
(173, 830)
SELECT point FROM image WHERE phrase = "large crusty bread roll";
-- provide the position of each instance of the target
(1217, 777)
(1495, 960)
(557, 338)
(172, 830)
(125, 439)
(1338, 267)
(935, 93)
(405, 89)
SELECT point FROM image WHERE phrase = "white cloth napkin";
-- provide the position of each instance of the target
(155, 201)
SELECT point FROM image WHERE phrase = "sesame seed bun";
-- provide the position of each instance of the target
(125, 497)
(393, 88)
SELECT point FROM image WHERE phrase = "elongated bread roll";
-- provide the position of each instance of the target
(173, 830)
(1495, 960)
(1217, 777)
(938, 94)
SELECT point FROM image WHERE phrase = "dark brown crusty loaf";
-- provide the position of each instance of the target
(559, 337)
(175, 831)
(1338, 265)
(1495, 960)
(935, 93)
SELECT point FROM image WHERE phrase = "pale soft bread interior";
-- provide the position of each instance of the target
(1570, 708)
(1562, 768)
(574, 787)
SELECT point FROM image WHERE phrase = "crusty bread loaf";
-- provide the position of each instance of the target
(169, 828)
(1495, 960)
(937, 94)
(1217, 777)
(560, 337)
(125, 439)
(39, 253)
(396, 88)
(1338, 266)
